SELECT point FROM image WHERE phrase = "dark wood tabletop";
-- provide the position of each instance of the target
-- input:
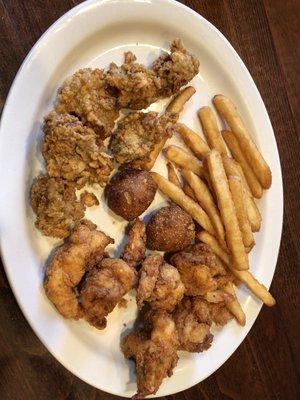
(266, 34)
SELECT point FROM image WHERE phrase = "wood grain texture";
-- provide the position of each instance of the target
(266, 35)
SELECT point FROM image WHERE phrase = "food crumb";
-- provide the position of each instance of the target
(88, 199)
(122, 303)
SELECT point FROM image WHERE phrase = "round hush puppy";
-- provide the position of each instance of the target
(170, 229)
(130, 192)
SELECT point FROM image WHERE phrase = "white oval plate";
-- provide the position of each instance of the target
(94, 34)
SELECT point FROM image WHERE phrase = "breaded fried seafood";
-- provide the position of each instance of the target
(104, 287)
(69, 264)
(55, 204)
(138, 133)
(193, 321)
(160, 285)
(135, 85)
(85, 94)
(134, 251)
(154, 350)
(73, 151)
(175, 69)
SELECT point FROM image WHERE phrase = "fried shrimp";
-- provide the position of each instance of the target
(193, 321)
(86, 95)
(69, 264)
(73, 151)
(154, 350)
(104, 287)
(160, 285)
(134, 251)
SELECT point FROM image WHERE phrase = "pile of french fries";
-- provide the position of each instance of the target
(221, 179)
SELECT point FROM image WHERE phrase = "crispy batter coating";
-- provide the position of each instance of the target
(86, 95)
(89, 199)
(69, 264)
(200, 271)
(159, 285)
(73, 151)
(193, 321)
(104, 287)
(195, 275)
(134, 251)
(55, 204)
(136, 86)
(137, 134)
(175, 69)
(170, 229)
(154, 350)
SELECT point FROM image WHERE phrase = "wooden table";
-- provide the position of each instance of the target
(267, 37)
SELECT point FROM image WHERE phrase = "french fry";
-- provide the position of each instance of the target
(193, 141)
(228, 112)
(211, 130)
(237, 154)
(189, 191)
(245, 277)
(206, 201)
(227, 210)
(176, 105)
(233, 168)
(183, 159)
(212, 242)
(256, 287)
(234, 306)
(178, 196)
(172, 176)
(238, 197)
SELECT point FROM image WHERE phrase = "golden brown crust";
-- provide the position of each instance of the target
(55, 204)
(154, 350)
(104, 287)
(160, 285)
(170, 229)
(175, 69)
(137, 134)
(193, 321)
(89, 199)
(135, 86)
(130, 192)
(134, 251)
(68, 265)
(74, 152)
(86, 95)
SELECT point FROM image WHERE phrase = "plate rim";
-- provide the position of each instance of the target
(47, 35)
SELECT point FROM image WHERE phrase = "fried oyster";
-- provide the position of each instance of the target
(176, 69)
(73, 151)
(137, 134)
(135, 85)
(56, 206)
(86, 95)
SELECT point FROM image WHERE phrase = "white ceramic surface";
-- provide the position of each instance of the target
(94, 34)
